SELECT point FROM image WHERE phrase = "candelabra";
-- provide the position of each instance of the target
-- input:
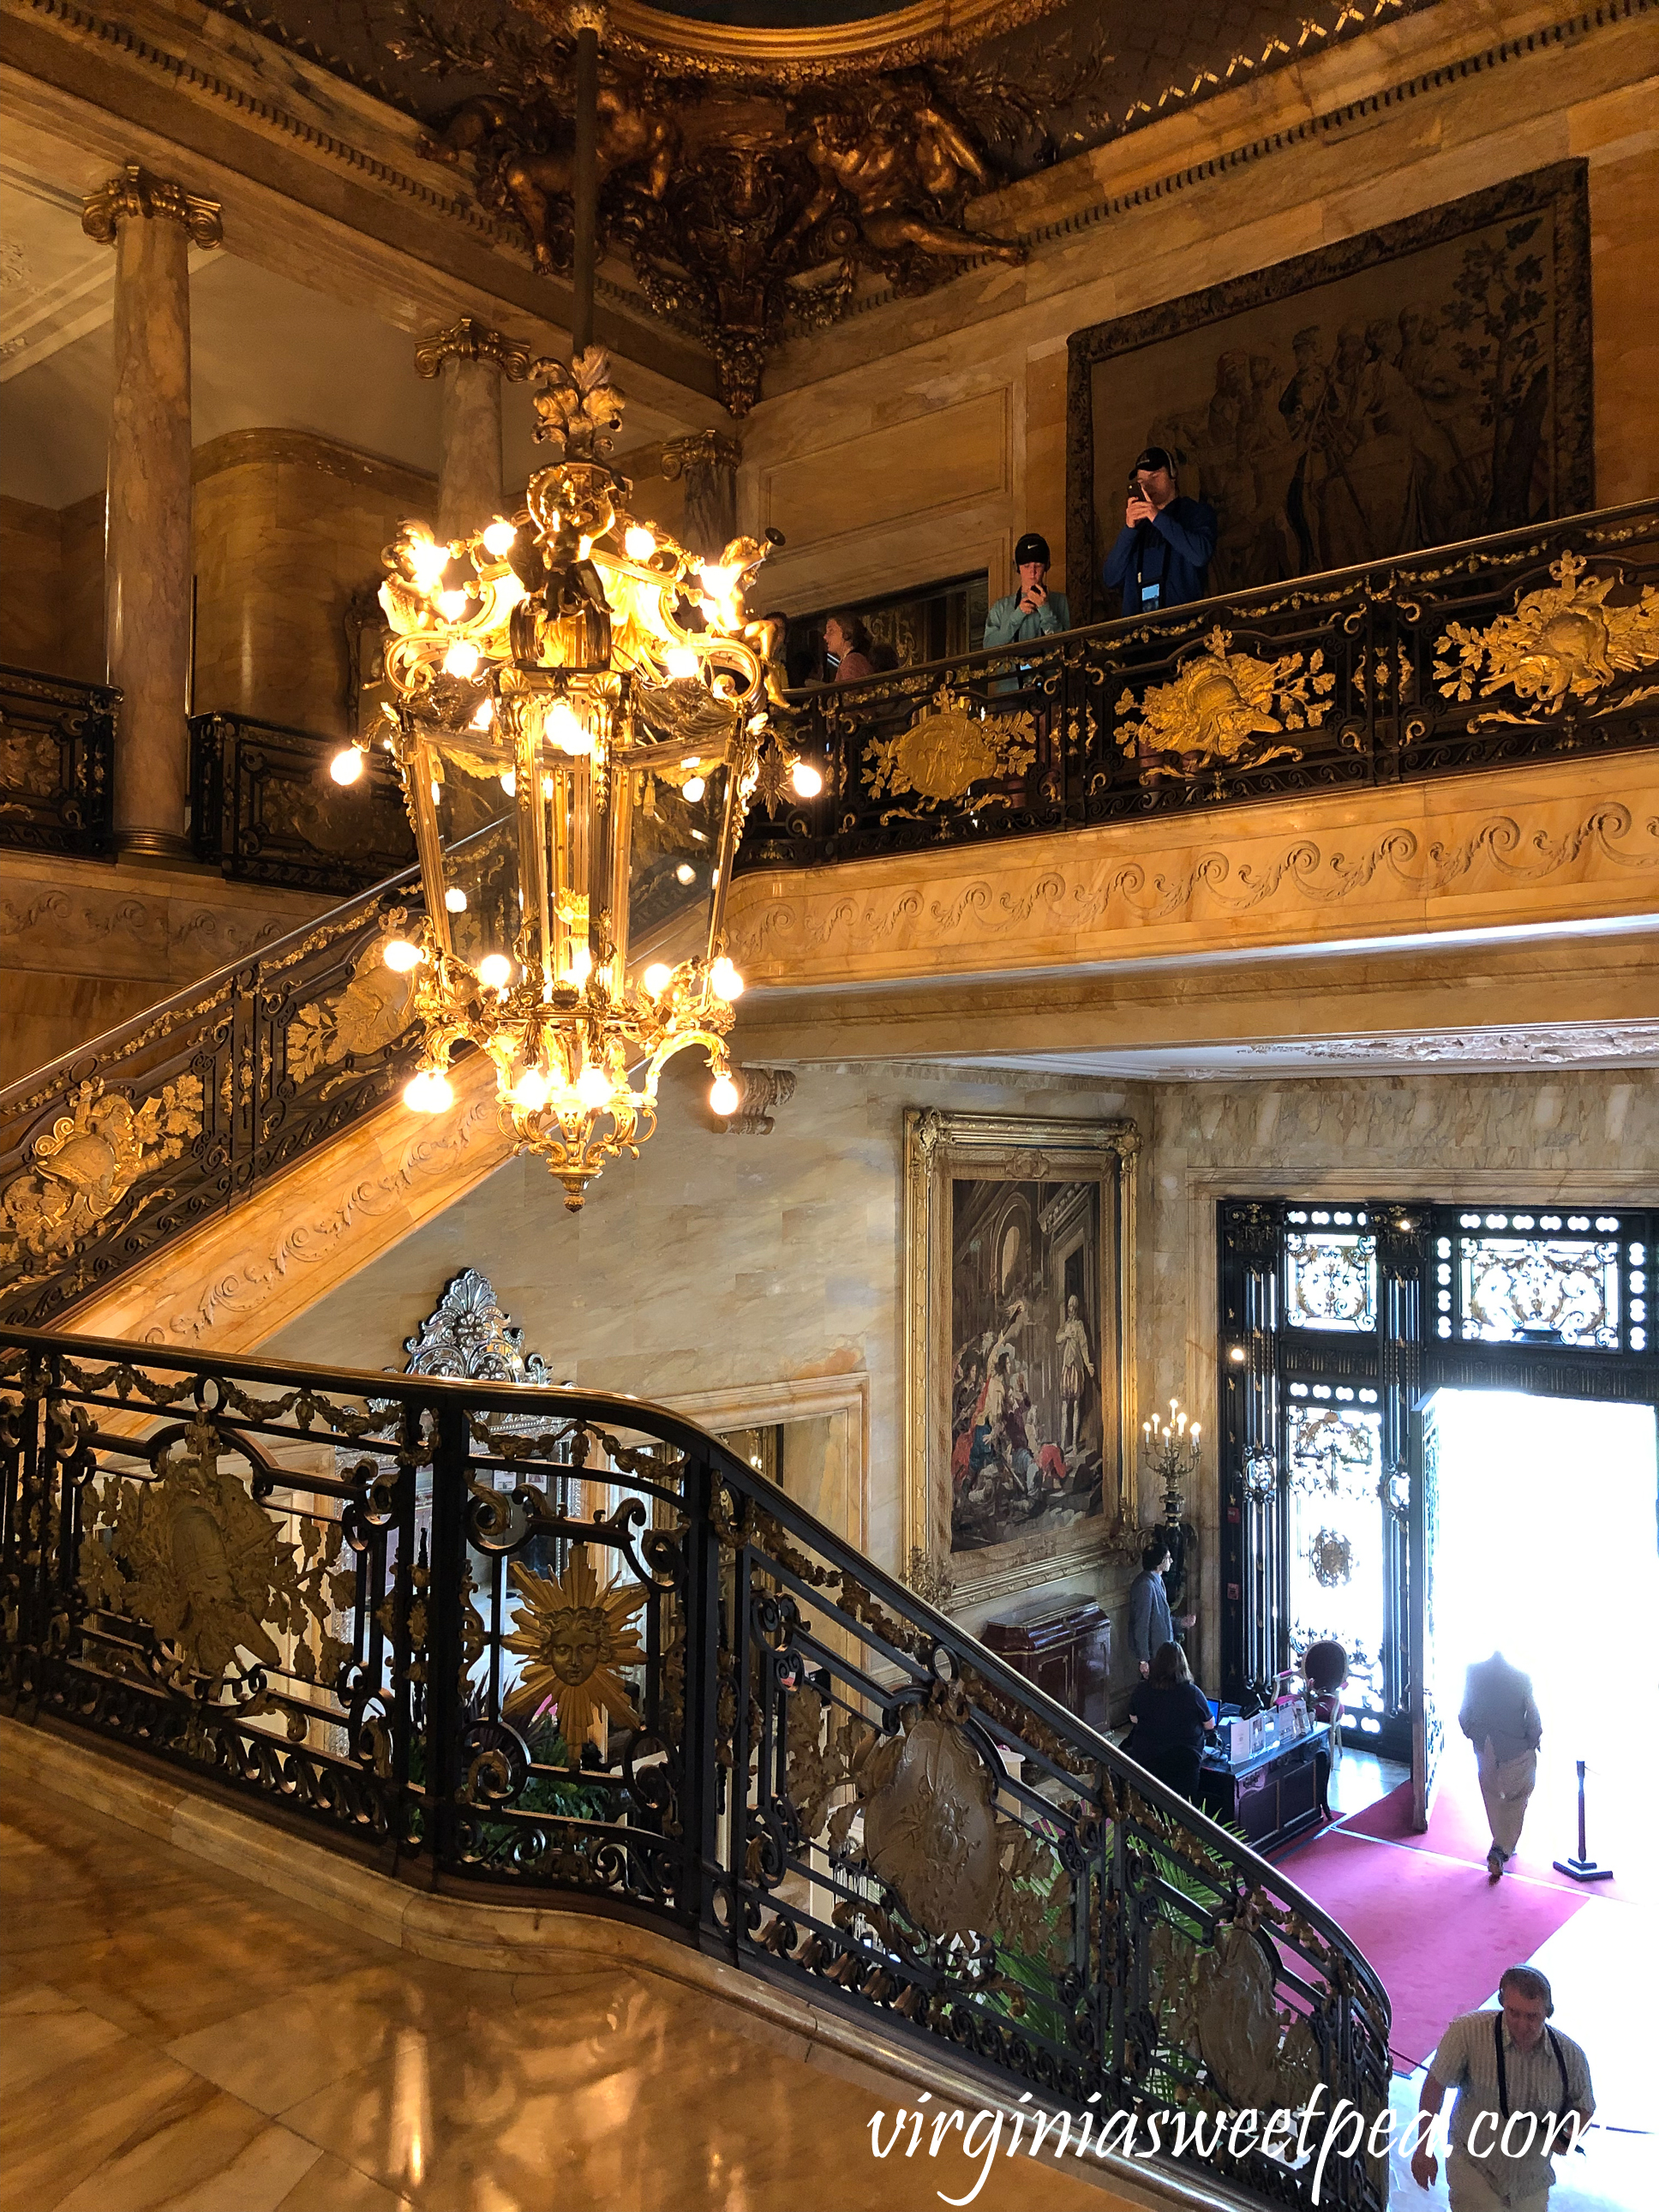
(1172, 1452)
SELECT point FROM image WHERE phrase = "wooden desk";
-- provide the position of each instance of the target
(1272, 1795)
(1064, 1645)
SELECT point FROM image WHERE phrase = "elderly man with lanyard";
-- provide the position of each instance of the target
(1523, 2095)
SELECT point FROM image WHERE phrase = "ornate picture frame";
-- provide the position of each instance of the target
(1019, 1407)
(1419, 384)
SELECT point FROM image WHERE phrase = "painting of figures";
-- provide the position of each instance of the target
(1417, 385)
(1027, 1418)
(1020, 1312)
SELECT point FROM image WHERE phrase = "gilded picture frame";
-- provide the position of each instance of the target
(1019, 1407)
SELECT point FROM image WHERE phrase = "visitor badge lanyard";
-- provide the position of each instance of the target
(1503, 2072)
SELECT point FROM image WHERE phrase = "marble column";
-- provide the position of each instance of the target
(470, 360)
(152, 223)
(709, 460)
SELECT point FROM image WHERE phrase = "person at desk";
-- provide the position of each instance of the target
(1161, 556)
(1033, 611)
(1171, 1715)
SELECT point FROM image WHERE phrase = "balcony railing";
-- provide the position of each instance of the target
(265, 808)
(523, 1644)
(1516, 647)
(57, 765)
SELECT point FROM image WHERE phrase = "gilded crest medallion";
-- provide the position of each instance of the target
(1561, 646)
(577, 1635)
(1223, 710)
(946, 753)
(84, 1167)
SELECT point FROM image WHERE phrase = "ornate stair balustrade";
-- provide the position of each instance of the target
(57, 765)
(265, 807)
(523, 1644)
(1514, 647)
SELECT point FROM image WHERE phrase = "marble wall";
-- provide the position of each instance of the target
(288, 528)
(720, 1270)
(52, 613)
(1250, 176)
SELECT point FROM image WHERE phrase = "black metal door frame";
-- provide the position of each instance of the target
(1418, 1347)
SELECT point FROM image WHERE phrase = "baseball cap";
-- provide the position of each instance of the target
(1155, 457)
(1034, 546)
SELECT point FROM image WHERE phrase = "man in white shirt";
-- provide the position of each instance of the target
(1523, 2095)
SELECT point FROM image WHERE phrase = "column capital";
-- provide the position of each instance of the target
(468, 339)
(708, 449)
(133, 191)
(588, 15)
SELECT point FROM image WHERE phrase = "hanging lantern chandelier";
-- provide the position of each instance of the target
(580, 712)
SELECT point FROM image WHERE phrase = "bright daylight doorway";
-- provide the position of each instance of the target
(1547, 1551)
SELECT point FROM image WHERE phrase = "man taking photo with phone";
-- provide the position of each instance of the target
(1161, 556)
(1032, 611)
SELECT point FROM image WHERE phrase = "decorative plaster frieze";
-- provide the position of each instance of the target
(1551, 1045)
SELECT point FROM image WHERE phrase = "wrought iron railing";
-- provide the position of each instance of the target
(264, 807)
(520, 1642)
(1519, 646)
(112, 1150)
(57, 763)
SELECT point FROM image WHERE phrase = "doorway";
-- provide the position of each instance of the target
(1545, 1548)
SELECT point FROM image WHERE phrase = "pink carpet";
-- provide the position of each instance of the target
(1436, 1932)
(1457, 1830)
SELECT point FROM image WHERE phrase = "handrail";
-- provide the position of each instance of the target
(57, 763)
(1524, 645)
(519, 1642)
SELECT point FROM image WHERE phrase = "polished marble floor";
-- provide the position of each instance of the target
(171, 2037)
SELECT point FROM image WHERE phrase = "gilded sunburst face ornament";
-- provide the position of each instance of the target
(576, 1635)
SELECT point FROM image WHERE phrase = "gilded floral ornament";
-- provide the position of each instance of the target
(1562, 645)
(1222, 709)
(84, 1167)
(576, 1635)
(373, 1010)
(194, 1555)
(946, 751)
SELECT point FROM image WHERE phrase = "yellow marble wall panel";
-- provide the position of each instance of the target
(288, 528)
(934, 462)
(81, 528)
(1624, 239)
(31, 560)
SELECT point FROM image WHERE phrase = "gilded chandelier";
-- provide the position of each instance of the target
(579, 711)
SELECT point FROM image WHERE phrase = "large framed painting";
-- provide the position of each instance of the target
(1019, 1244)
(1421, 384)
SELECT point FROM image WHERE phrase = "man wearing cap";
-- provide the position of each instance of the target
(1161, 557)
(1033, 611)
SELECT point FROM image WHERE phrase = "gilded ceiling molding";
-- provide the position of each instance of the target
(134, 191)
(468, 339)
(931, 30)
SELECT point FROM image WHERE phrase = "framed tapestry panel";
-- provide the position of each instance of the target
(1020, 1413)
(1423, 383)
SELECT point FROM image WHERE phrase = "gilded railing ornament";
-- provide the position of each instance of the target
(1223, 708)
(1561, 648)
(134, 191)
(576, 1635)
(946, 753)
(373, 1010)
(84, 1167)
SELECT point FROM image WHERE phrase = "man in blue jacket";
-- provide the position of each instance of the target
(1161, 556)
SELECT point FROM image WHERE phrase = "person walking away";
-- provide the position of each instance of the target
(1150, 1625)
(1523, 2096)
(1171, 1715)
(1161, 557)
(1501, 1721)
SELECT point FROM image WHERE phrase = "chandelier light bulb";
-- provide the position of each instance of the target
(693, 789)
(724, 980)
(455, 899)
(429, 1092)
(400, 956)
(657, 978)
(681, 660)
(346, 767)
(724, 1096)
(462, 659)
(532, 1091)
(685, 873)
(498, 539)
(806, 780)
(594, 1089)
(566, 730)
(581, 964)
(495, 970)
(509, 782)
(484, 714)
(638, 542)
(429, 561)
(452, 606)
